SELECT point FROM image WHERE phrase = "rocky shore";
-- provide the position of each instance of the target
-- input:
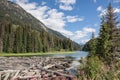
(36, 68)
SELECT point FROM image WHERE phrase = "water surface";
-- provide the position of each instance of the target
(76, 55)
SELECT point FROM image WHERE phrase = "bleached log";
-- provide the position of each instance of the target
(7, 76)
(16, 74)
(49, 66)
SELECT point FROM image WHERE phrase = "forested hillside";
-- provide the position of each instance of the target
(21, 32)
(14, 38)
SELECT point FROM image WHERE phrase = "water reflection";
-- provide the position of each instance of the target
(77, 55)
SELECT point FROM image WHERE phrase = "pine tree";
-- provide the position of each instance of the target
(93, 45)
(9, 38)
(105, 41)
(93, 35)
(111, 21)
(17, 38)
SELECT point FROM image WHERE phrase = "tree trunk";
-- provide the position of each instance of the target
(1, 39)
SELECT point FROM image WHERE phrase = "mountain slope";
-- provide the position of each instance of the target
(17, 15)
(24, 33)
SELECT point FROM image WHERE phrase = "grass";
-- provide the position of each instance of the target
(93, 68)
(33, 54)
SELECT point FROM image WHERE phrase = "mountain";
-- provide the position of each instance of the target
(17, 15)
(16, 21)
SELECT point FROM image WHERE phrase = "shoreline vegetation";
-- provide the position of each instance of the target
(34, 54)
(103, 61)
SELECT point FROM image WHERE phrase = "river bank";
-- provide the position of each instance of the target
(36, 68)
(34, 54)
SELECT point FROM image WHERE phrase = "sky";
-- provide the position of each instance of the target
(75, 19)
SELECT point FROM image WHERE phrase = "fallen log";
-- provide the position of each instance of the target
(17, 73)
(49, 66)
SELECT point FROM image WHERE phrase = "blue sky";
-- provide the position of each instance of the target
(76, 19)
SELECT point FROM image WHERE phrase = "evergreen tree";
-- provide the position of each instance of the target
(111, 21)
(93, 35)
(18, 45)
(20, 39)
(40, 45)
(92, 45)
(1, 38)
(105, 41)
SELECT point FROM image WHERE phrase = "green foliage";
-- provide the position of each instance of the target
(86, 47)
(91, 68)
(106, 45)
(102, 65)
(94, 69)
(19, 39)
(17, 15)
(103, 43)
(27, 34)
(93, 47)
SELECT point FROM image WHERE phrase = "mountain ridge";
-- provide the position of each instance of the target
(16, 21)
(8, 9)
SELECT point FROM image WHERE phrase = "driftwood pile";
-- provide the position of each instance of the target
(35, 68)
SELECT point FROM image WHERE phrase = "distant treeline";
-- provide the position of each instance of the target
(19, 39)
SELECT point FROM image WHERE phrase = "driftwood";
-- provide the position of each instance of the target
(34, 68)
(55, 65)
(49, 66)
(8, 74)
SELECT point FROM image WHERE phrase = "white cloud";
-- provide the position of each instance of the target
(82, 33)
(88, 30)
(65, 7)
(117, 10)
(22, 1)
(99, 8)
(74, 19)
(116, 1)
(27, 6)
(52, 18)
(55, 20)
(94, 1)
(66, 4)
(103, 11)
(84, 41)
(43, 3)
(79, 34)
(68, 1)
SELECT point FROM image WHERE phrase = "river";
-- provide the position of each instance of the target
(76, 55)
